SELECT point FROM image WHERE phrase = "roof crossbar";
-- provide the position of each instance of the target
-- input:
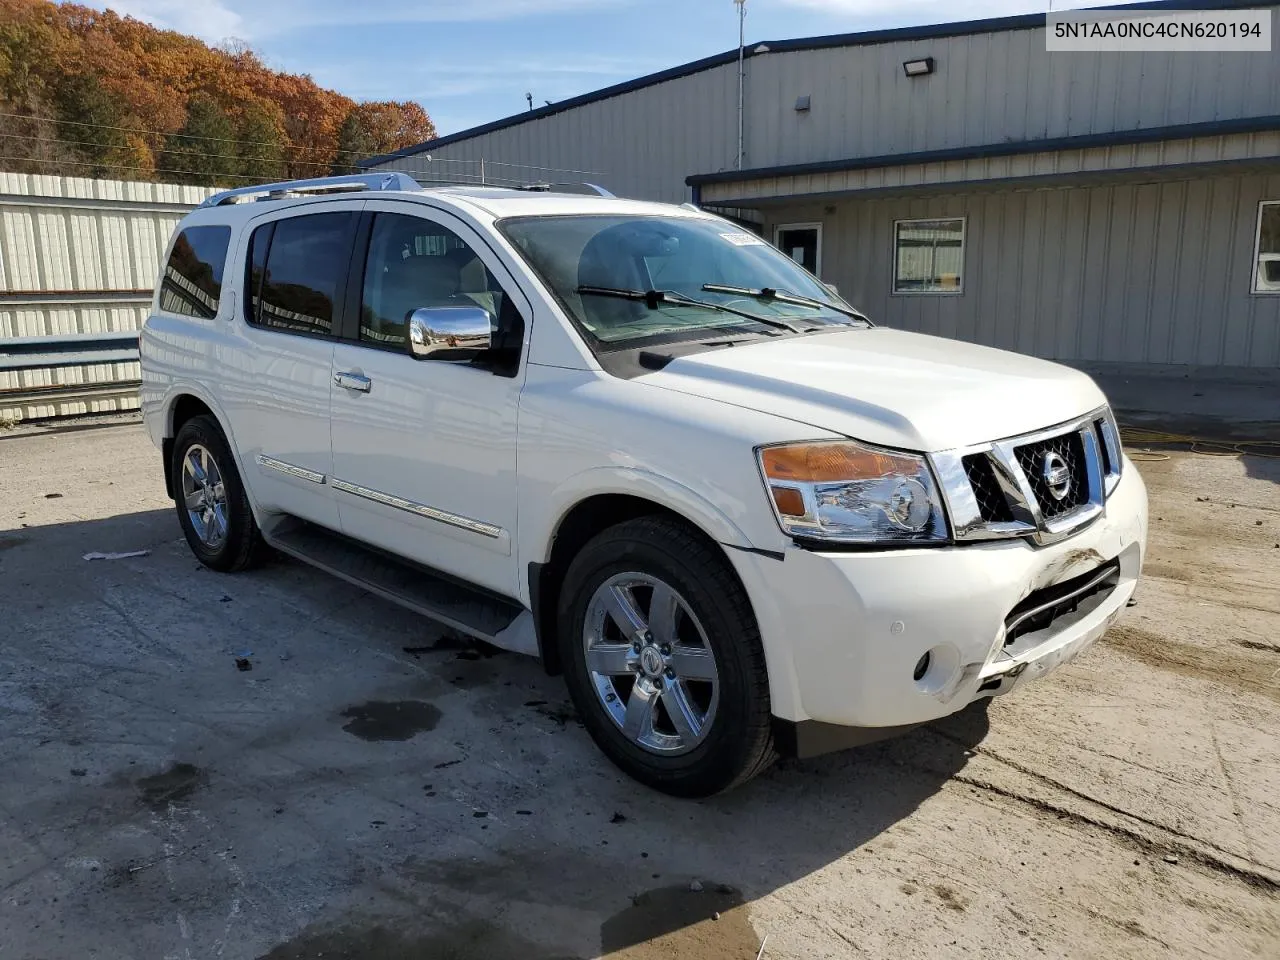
(318, 185)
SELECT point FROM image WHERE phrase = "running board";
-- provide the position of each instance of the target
(467, 609)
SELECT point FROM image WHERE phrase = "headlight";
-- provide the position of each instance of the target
(848, 492)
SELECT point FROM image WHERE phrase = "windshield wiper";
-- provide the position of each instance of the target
(781, 296)
(655, 298)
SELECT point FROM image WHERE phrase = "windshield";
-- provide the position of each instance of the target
(588, 261)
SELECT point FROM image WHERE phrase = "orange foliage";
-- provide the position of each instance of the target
(89, 71)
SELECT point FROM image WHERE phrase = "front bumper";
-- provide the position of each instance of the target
(844, 633)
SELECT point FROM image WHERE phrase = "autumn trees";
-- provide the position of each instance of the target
(89, 93)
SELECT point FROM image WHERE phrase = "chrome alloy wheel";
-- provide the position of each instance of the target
(651, 663)
(205, 496)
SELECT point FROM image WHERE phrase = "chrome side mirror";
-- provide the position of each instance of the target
(452, 334)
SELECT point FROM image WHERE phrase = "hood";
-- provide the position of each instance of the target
(889, 387)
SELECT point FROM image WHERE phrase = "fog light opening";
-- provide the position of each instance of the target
(937, 671)
(922, 666)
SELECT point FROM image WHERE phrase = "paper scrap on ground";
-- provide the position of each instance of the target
(116, 556)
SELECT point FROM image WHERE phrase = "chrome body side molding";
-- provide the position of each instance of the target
(419, 509)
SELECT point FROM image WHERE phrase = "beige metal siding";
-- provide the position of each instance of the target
(80, 256)
(987, 88)
(642, 144)
(1134, 273)
(1227, 148)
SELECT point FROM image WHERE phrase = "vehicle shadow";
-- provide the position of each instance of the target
(501, 833)
(1264, 468)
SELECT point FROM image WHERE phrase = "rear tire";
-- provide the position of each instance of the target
(679, 698)
(213, 509)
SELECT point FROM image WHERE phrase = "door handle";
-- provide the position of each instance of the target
(353, 381)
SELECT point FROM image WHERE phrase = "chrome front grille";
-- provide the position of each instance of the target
(1044, 485)
(1063, 452)
(993, 506)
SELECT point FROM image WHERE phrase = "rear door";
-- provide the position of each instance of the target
(279, 386)
(424, 451)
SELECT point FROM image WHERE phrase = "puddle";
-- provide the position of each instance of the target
(390, 720)
(472, 678)
(475, 940)
(462, 647)
(8, 543)
(561, 714)
(677, 922)
(177, 783)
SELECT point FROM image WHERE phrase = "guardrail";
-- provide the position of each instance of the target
(62, 352)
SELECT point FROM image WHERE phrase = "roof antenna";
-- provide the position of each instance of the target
(529, 97)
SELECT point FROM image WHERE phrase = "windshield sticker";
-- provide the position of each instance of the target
(742, 239)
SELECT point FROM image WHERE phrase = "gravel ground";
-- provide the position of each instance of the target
(374, 788)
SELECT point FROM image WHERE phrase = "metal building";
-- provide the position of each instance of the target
(1108, 209)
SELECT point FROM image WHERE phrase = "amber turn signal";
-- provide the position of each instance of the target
(830, 463)
(789, 502)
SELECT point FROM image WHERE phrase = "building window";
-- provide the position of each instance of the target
(928, 256)
(802, 242)
(1266, 261)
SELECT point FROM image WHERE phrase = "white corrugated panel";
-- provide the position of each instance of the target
(80, 256)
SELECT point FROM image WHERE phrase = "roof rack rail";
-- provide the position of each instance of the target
(567, 188)
(318, 185)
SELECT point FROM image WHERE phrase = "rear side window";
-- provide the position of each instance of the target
(192, 280)
(296, 270)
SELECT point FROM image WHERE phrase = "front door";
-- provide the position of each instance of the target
(424, 451)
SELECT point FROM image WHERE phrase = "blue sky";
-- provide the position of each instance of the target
(471, 61)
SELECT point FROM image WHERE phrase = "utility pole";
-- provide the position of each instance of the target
(742, 37)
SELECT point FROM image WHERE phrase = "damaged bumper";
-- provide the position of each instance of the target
(882, 641)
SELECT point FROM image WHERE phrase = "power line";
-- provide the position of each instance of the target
(123, 166)
(252, 180)
(211, 156)
(189, 136)
(263, 143)
(530, 166)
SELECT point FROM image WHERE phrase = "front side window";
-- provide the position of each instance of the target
(1266, 273)
(627, 281)
(928, 256)
(192, 280)
(296, 268)
(416, 263)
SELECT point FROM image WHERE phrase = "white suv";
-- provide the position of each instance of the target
(640, 443)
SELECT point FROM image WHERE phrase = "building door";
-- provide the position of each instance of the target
(802, 242)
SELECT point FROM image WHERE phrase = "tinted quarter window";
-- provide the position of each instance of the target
(192, 280)
(259, 244)
(306, 262)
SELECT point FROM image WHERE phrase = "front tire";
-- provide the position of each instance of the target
(213, 509)
(663, 658)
